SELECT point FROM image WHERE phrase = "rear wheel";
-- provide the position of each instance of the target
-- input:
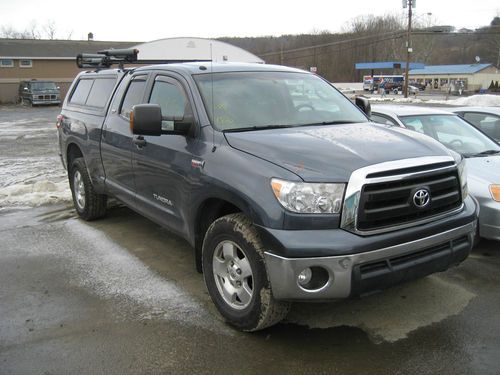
(236, 277)
(88, 204)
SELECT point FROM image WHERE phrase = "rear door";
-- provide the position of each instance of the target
(116, 142)
(162, 166)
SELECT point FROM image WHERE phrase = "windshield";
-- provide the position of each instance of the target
(256, 100)
(453, 132)
(43, 85)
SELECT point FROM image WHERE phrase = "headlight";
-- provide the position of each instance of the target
(309, 198)
(462, 175)
(495, 192)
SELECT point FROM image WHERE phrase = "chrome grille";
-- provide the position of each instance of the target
(390, 203)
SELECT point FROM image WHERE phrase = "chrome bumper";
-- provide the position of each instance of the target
(283, 272)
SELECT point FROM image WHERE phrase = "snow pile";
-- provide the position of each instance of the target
(34, 194)
(486, 100)
(33, 181)
(471, 101)
(349, 86)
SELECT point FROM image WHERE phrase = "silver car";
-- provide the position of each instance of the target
(485, 118)
(482, 153)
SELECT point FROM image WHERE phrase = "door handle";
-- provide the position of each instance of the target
(139, 141)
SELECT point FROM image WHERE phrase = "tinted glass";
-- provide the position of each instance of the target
(82, 91)
(488, 123)
(451, 131)
(100, 92)
(381, 120)
(134, 95)
(170, 98)
(262, 99)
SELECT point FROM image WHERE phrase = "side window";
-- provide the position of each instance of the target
(474, 118)
(134, 95)
(100, 92)
(81, 91)
(414, 124)
(382, 120)
(171, 99)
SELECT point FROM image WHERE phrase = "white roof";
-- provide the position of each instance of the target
(407, 110)
(194, 49)
(492, 110)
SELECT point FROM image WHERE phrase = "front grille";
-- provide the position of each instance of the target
(47, 97)
(387, 204)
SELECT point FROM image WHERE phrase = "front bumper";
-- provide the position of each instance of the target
(489, 218)
(47, 102)
(362, 272)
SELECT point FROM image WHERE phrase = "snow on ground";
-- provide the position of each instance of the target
(31, 173)
(348, 86)
(486, 100)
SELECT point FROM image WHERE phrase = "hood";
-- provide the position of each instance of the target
(332, 153)
(485, 169)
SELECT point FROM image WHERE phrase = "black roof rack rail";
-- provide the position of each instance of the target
(106, 58)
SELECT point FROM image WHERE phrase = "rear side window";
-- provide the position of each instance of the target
(81, 92)
(100, 92)
(134, 95)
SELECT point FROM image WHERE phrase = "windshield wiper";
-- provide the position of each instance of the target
(337, 122)
(485, 153)
(250, 128)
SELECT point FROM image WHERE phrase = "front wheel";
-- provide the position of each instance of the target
(236, 277)
(88, 204)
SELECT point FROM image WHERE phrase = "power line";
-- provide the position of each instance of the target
(397, 34)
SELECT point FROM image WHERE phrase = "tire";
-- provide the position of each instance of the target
(240, 290)
(88, 204)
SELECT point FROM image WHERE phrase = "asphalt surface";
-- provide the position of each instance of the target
(121, 295)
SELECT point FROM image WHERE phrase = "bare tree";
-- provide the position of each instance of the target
(31, 31)
(50, 29)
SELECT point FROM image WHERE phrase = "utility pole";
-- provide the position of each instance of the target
(410, 4)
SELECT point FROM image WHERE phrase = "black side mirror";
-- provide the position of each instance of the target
(364, 104)
(146, 119)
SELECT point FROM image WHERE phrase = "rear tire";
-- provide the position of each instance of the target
(88, 204)
(236, 277)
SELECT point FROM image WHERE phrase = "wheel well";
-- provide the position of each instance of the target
(73, 152)
(209, 211)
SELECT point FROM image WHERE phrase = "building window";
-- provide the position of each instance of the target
(6, 63)
(25, 63)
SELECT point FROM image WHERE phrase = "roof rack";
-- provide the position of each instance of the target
(106, 58)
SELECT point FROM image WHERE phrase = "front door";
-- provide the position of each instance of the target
(162, 166)
(116, 141)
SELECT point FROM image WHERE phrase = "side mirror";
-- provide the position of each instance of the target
(146, 119)
(25, 89)
(364, 104)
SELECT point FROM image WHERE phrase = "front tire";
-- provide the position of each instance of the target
(88, 204)
(236, 277)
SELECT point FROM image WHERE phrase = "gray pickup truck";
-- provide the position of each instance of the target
(282, 186)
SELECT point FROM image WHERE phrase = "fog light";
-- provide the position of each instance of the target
(305, 276)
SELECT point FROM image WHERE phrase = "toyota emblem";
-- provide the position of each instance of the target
(421, 198)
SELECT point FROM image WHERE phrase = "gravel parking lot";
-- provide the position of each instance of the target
(121, 295)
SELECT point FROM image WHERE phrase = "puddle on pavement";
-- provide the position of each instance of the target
(391, 315)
